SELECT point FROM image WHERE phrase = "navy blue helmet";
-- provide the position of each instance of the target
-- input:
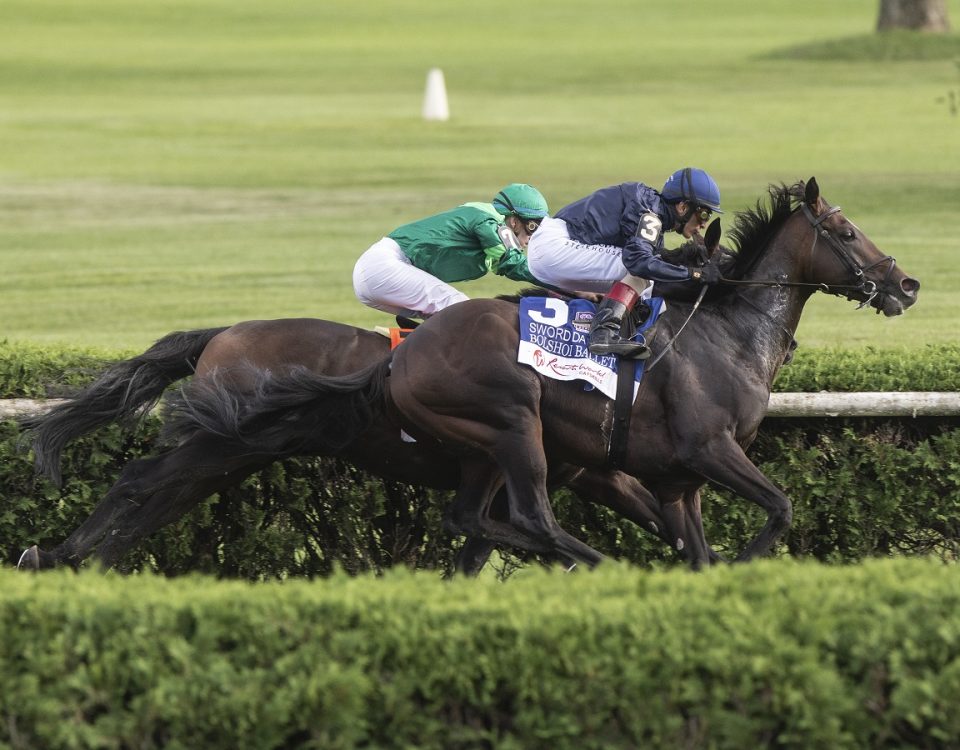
(693, 185)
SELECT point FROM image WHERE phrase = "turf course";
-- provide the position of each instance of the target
(194, 163)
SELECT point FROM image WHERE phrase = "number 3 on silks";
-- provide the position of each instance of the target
(649, 228)
(554, 313)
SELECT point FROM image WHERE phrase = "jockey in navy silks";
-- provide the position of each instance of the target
(591, 244)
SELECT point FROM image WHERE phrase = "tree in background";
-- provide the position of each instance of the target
(919, 15)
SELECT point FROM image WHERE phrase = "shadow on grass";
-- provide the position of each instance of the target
(892, 46)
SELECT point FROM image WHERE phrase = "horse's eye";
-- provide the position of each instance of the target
(847, 235)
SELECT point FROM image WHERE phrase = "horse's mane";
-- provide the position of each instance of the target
(754, 229)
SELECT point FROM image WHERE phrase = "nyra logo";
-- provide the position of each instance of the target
(582, 319)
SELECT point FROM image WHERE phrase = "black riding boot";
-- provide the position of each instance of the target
(605, 332)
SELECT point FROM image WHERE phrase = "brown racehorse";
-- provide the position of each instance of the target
(156, 491)
(456, 379)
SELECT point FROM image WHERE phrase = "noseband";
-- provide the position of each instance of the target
(869, 288)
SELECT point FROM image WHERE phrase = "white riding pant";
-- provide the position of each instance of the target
(385, 279)
(556, 259)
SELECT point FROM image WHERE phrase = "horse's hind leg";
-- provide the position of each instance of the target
(469, 514)
(154, 492)
(477, 550)
(122, 498)
(201, 467)
(467, 510)
(519, 453)
(532, 524)
(473, 555)
(160, 509)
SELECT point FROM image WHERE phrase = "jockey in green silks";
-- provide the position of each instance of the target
(409, 271)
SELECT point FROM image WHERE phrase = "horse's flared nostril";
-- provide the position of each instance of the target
(910, 286)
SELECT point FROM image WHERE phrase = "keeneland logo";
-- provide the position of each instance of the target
(582, 320)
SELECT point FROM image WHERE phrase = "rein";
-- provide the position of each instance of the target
(669, 344)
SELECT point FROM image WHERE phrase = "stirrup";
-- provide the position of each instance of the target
(619, 346)
(623, 349)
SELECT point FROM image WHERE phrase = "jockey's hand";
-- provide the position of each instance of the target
(708, 274)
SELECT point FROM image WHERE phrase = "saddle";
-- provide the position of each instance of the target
(397, 333)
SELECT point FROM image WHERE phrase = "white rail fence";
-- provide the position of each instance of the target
(822, 404)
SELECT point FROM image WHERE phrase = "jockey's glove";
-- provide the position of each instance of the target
(708, 274)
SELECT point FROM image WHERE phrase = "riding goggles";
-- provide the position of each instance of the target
(703, 213)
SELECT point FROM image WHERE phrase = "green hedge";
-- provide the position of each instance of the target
(298, 517)
(34, 371)
(774, 654)
(930, 368)
(861, 488)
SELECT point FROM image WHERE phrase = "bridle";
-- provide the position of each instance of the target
(865, 286)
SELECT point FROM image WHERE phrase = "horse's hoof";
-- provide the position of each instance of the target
(30, 559)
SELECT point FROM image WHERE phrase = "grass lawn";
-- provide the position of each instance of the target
(199, 162)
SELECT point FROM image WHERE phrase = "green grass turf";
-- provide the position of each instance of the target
(193, 163)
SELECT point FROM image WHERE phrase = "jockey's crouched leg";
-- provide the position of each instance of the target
(605, 335)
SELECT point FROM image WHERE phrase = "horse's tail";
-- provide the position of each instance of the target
(296, 412)
(123, 392)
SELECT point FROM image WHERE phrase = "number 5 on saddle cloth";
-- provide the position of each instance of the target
(553, 341)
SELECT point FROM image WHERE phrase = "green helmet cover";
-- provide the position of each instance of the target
(521, 200)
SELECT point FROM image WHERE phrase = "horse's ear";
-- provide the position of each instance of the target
(712, 238)
(812, 194)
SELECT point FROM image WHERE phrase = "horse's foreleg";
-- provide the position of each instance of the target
(724, 462)
(622, 494)
(691, 501)
(682, 528)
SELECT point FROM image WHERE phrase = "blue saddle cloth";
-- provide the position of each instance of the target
(553, 340)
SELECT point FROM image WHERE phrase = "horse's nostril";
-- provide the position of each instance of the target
(909, 286)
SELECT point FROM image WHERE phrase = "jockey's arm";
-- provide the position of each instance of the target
(641, 258)
(505, 257)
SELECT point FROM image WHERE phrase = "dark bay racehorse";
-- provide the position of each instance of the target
(456, 379)
(158, 490)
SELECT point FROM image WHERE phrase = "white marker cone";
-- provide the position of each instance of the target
(435, 100)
